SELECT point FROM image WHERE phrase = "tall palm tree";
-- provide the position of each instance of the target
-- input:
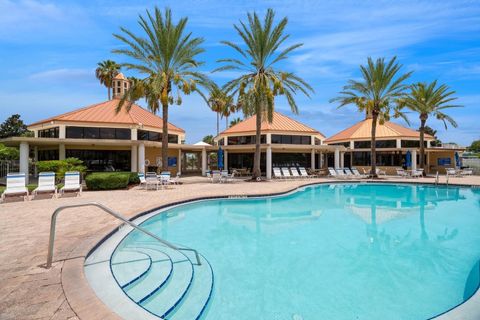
(105, 72)
(377, 94)
(219, 101)
(235, 121)
(430, 99)
(167, 56)
(261, 80)
(229, 108)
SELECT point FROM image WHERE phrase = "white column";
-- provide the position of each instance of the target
(429, 144)
(134, 159)
(269, 138)
(352, 144)
(414, 159)
(134, 134)
(179, 161)
(141, 158)
(35, 159)
(320, 160)
(225, 160)
(342, 159)
(35, 133)
(62, 131)
(312, 160)
(399, 143)
(269, 162)
(61, 151)
(204, 162)
(24, 150)
(337, 158)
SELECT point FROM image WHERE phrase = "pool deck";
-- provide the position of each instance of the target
(29, 291)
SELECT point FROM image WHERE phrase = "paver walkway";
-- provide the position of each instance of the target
(29, 291)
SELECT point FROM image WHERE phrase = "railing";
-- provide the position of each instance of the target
(116, 215)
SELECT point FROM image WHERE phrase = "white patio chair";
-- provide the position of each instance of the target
(152, 180)
(416, 174)
(165, 178)
(72, 183)
(143, 182)
(357, 174)
(350, 173)
(332, 173)
(277, 174)
(46, 184)
(466, 172)
(380, 172)
(286, 173)
(402, 173)
(341, 174)
(16, 186)
(216, 176)
(304, 173)
(294, 172)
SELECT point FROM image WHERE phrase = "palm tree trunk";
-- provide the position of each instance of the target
(423, 120)
(226, 122)
(256, 159)
(218, 124)
(373, 159)
(165, 137)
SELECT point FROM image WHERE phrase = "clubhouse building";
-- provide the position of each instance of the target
(106, 140)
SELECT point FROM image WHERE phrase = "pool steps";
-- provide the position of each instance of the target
(171, 287)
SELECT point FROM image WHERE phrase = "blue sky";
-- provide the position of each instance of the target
(49, 51)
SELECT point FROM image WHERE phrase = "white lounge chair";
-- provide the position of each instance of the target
(357, 174)
(402, 173)
(228, 177)
(466, 172)
(143, 182)
(380, 172)
(46, 184)
(286, 173)
(277, 174)
(416, 174)
(165, 178)
(295, 173)
(16, 186)
(304, 173)
(341, 174)
(152, 180)
(72, 183)
(216, 176)
(350, 173)
(332, 173)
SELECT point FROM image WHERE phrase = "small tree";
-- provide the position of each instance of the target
(429, 130)
(8, 153)
(13, 126)
(235, 121)
(475, 146)
(208, 139)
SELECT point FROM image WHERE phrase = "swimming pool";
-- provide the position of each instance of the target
(337, 251)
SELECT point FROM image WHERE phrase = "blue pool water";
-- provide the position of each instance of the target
(344, 251)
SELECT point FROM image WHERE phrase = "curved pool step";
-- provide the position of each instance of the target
(198, 296)
(129, 266)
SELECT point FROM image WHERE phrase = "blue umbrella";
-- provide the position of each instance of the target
(457, 159)
(408, 159)
(220, 158)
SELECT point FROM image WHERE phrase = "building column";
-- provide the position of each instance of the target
(61, 151)
(312, 160)
(414, 159)
(337, 158)
(352, 144)
(342, 159)
(399, 143)
(24, 153)
(179, 162)
(35, 160)
(269, 162)
(133, 134)
(225, 160)
(134, 159)
(141, 158)
(62, 129)
(320, 160)
(204, 162)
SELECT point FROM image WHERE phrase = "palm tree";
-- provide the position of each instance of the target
(219, 101)
(235, 121)
(430, 100)
(377, 95)
(229, 108)
(105, 72)
(261, 81)
(167, 56)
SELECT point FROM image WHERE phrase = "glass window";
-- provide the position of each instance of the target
(74, 132)
(412, 143)
(277, 139)
(107, 133)
(44, 155)
(91, 133)
(102, 160)
(386, 143)
(49, 133)
(243, 140)
(172, 138)
(154, 136)
(123, 134)
(362, 144)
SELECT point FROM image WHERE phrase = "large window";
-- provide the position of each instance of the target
(44, 155)
(246, 140)
(102, 160)
(362, 144)
(98, 133)
(155, 136)
(345, 144)
(412, 143)
(392, 158)
(379, 144)
(49, 133)
(288, 139)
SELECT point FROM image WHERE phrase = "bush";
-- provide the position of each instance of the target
(61, 166)
(110, 180)
(8, 153)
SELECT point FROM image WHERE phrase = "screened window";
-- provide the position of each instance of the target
(345, 144)
(362, 144)
(155, 136)
(74, 132)
(107, 133)
(386, 143)
(290, 139)
(412, 143)
(97, 133)
(49, 133)
(245, 140)
(102, 160)
(91, 133)
(44, 155)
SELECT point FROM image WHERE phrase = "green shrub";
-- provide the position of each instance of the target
(61, 166)
(110, 180)
(8, 153)
(133, 178)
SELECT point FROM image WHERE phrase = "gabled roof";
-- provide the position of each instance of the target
(362, 130)
(280, 123)
(105, 113)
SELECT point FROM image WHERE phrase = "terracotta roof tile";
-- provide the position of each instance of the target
(280, 123)
(362, 130)
(104, 112)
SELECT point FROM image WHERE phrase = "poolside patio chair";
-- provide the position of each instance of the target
(216, 176)
(143, 182)
(380, 172)
(277, 174)
(152, 180)
(350, 173)
(295, 173)
(332, 173)
(72, 183)
(228, 177)
(466, 172)
(46, 184)
(416, 174)
(357, 174)
(304, 173)
(402, 173)
(341, 174)
(165, 178)
(16, 186)
(286, 173)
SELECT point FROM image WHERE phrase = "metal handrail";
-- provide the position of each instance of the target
(114, 214)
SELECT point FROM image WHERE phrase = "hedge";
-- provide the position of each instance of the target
(110, 180)
(61, 166)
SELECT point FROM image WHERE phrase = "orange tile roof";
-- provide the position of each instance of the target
(280, 123)
(362, 130)
(119, 76)
(104, 112)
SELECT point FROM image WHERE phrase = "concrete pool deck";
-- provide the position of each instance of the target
(29, 291)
